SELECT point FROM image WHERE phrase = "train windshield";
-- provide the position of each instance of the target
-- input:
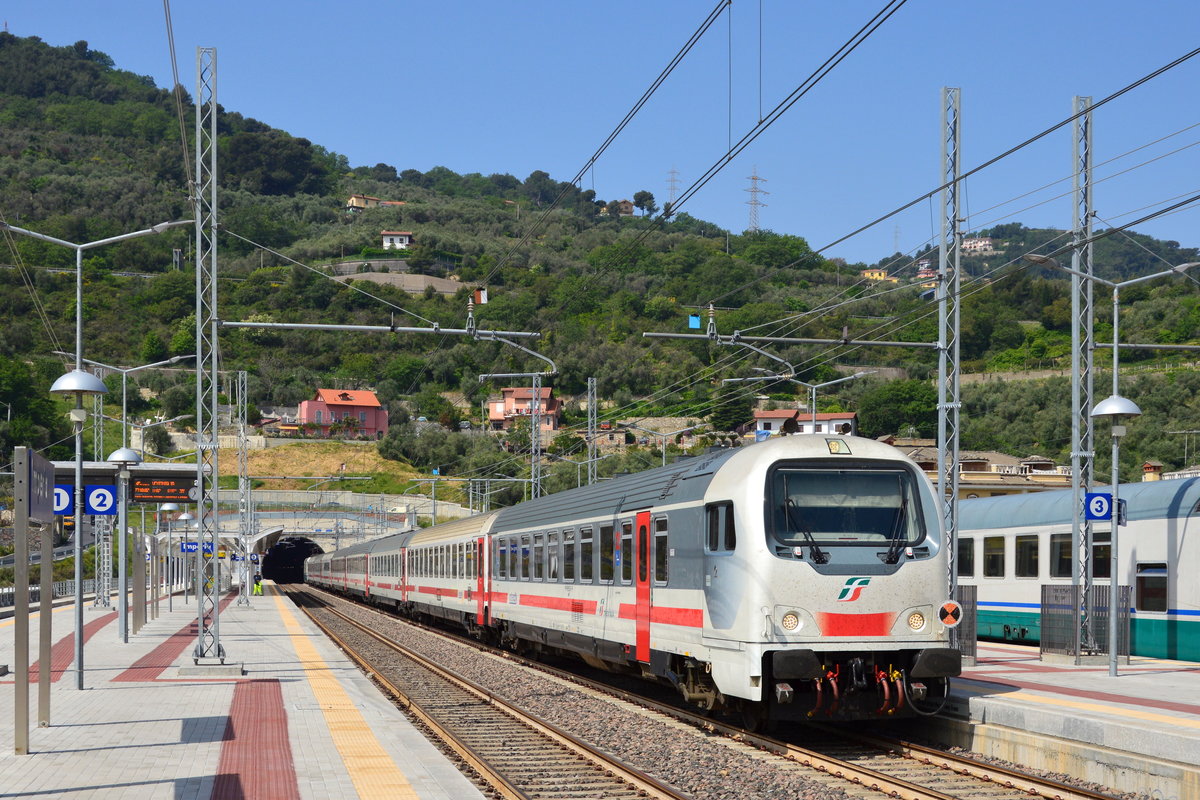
(845, 507)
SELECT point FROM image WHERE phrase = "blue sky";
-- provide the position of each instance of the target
(515, 87)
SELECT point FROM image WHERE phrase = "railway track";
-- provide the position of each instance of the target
(861, 766)
(515, 754)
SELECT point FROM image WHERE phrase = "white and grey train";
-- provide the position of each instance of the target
(800, 577)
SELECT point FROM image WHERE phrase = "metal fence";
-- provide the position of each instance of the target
(1063, 632)
(964, 636)
(8, 594)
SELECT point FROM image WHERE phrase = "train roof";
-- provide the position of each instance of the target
(1146, 500)
(683, 481)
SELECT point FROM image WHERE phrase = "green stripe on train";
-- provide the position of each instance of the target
(1151, 637)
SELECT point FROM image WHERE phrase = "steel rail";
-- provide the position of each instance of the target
(1004, 777)
(644, 783)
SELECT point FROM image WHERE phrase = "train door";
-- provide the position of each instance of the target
(482, 580)
(404, 574)
(643, 562)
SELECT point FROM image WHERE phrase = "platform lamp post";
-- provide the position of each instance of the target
(1115, 408)
(124, 458)
(80, 384)
(166, 508)
(187, 520)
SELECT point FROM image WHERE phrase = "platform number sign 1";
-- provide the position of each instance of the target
(100, 500)
(1098, 505)
(64, 499)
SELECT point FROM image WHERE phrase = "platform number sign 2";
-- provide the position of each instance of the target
(100, 500)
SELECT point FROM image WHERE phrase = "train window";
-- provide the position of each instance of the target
(470, 558)
(966, 557)
(1026, 550)
(626, 552)
(568, 541)
(552, 556)
(1101, 554)
(585, 555)
(661, 550)
(1060, 555)
(720, 534)
(1151, 589)
(499, 562)
(513, 555)
(848, 506)
(525, 557)
(643, 547)
(993, 556)
(539, 557)
(607, 558)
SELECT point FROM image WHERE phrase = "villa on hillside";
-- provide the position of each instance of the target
(344, 413)
(517, 402)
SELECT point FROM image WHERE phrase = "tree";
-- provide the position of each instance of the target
(645, 201)
(153, 348)
(157, 440)
(890, 406)
(733, 409)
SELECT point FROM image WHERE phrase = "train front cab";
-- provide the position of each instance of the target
(834, 589)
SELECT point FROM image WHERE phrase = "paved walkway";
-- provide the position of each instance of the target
(302, 722)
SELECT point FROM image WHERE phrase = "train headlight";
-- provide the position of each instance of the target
(790, 621)
(916, 620)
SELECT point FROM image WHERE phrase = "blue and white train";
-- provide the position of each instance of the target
(1010, 546)
(795, 578)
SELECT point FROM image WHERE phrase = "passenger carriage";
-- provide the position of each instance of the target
(1010, 546)
(796, 577)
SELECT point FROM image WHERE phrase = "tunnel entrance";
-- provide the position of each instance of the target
(284, 562)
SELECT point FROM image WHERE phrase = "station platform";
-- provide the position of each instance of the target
(1138, 731)
(301, 721)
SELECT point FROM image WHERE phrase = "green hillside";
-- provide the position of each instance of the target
(89, 151)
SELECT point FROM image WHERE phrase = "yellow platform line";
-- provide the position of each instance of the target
(372, 770)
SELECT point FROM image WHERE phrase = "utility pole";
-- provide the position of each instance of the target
(208, 565)
(754, 202)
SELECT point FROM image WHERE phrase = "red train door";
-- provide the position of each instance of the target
(482, 580)
(641, 577)
(404, 574)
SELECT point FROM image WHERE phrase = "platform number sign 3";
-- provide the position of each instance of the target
(1098, 505)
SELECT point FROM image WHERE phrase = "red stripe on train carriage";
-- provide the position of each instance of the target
(665, 615)
(856, 624)
(559, 603)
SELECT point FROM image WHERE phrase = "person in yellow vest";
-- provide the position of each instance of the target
(257, 584)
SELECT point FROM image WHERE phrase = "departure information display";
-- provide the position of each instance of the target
(162, 490)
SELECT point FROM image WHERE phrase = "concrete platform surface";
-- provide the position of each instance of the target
(1136, 731)
(301, 722)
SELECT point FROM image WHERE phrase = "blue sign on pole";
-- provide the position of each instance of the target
(189, 547)
(101, 500)
(208, 548)
(1097, 505)
(64, 499)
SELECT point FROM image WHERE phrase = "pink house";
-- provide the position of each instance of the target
(518, 402)
(345, 413)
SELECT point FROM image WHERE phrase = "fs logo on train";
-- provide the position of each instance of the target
(853, 589)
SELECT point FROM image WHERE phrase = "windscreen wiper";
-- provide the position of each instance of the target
(819, 556)
(893, 553)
